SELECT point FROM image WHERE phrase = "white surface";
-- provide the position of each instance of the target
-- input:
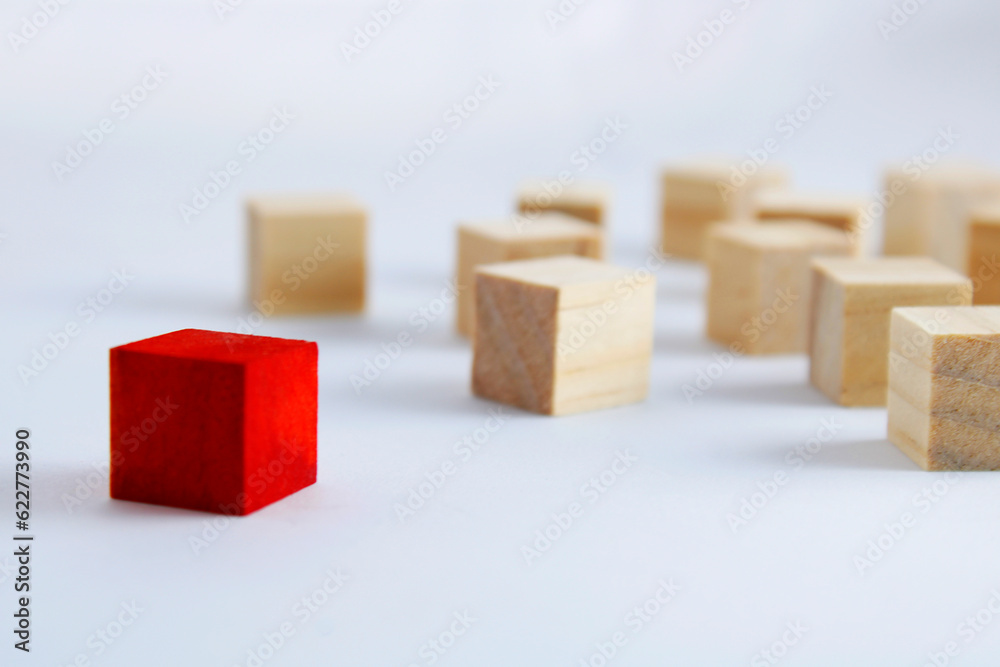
(664, 519)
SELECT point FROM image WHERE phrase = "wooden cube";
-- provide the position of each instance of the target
(852, 304)
(944, 387)
(845, 213)
(760, 283)
(548, 235)
(699, 195)
(307, 253)
(212, 421)
(984, 254)
(588, 202)
(563, 335)
(928, 212)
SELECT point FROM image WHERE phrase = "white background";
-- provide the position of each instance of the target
(664, 519)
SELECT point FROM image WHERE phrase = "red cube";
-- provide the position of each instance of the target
(212, 421)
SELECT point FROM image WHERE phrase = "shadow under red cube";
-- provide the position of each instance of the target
(212, 421)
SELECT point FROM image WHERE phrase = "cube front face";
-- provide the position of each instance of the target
(580, 342)
(308, 255)
(844, 214)
(760, 285)
(550, 235)
(944, 399)
(697, 197)
(209, 429)
(849, 346)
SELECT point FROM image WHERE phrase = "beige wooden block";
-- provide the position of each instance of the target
(307, 253)
(845, 213)
(548, 235)
(928, 212)
(760, 283)
(562, 335)
(701, 194)
(588, 202)
(852, 304)
(944, 386)
(984, 255)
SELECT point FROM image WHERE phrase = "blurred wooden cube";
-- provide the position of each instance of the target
(307, 253)
(563, 335)
(853, 300)
(928, 213)
(548, 235)
(588, 202)
(699, 195)
(944, 387)
(984, 254)
(845, 213)
(760, 283)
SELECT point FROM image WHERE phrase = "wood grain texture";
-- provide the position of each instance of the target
(760, 283)
(697, 195)
(562, 335)
(842, 212)
(944, 386)
(852, 304)
(548, 235)
(928, 212)
(212, 421)
(587, 202)
(307, 253)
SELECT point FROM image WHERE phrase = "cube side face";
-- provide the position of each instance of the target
(473, 250)
(950, 216)
(733, 290)
(280, 424)
(867, 332)
(309, 262)
(604, 351)
(984, 262)
(176, 431)
(783, 310)
(826, 335)
(515, 343)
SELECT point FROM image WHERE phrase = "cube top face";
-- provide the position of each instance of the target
(932, 337)
(214, 346)
(944, 388)
(549, 225)
(555, 336)
(197, 425)
(290, 207)
(587, 202)
(578, 280)
(782, 236)
(711, 170)
(889, 271)
(841, 211)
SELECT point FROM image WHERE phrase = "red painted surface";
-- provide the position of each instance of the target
(213, 421)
